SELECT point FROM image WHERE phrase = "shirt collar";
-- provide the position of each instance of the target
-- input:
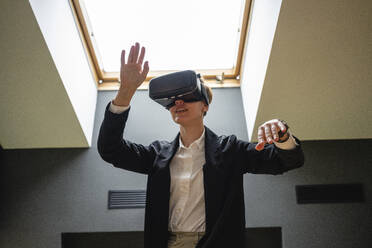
(199, 142)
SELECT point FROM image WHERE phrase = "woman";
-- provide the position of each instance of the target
(195, 192)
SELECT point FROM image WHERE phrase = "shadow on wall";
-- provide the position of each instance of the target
(32, 175)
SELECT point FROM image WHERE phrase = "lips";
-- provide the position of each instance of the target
(181, 110)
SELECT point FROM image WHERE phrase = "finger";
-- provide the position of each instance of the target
(130, 57)
(145, 70)
(274, 130)
(260, 146)
(268, 134)
(136, 52)
(122, 57)
(283, 128)
(261, 139)
(261, 135)
(142, 55)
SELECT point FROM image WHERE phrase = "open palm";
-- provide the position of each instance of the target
(132, 75)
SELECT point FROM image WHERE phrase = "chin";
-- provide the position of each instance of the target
(180, 122)
(185, 122)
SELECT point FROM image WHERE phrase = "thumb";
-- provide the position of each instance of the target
(145, 70)
(260, 146)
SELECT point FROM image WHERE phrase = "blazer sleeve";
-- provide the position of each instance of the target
(271, 160)
(120, 152)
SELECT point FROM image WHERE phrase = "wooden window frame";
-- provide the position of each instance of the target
(109, 80)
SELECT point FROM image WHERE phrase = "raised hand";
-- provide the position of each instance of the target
(269, 132)
(132, 75)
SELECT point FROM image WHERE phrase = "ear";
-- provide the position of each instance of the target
(205, 107)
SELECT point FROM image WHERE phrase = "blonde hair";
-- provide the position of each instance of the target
(208, 90)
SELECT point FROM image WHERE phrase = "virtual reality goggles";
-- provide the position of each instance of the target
(183, 85)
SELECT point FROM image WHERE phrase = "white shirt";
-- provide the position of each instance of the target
(186, 204)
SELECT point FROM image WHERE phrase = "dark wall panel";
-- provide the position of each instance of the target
(266, 237)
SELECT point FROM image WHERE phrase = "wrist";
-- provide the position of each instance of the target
(284, 138)
(123, 97)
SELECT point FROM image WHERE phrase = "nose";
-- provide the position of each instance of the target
(179, 102)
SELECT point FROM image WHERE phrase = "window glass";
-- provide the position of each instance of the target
(177, 34)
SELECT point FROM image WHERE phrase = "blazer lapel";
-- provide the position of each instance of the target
(168, 153)
(159, 189)
(211, 148)
(214, 179)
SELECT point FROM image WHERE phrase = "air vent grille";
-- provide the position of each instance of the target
(123, 199)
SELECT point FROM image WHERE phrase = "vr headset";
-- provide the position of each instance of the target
(184, 85)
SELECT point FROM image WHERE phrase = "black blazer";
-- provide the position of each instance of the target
(227, 159)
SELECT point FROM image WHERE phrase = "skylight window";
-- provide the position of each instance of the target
(202, 35)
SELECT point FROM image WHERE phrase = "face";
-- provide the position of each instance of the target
(188, 113)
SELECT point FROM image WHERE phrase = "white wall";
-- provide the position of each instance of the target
(318, 76)
(47, 95)
(256, 56)
(59, 29)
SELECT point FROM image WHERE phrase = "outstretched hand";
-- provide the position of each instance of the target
(132, 75)
(269, 132)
